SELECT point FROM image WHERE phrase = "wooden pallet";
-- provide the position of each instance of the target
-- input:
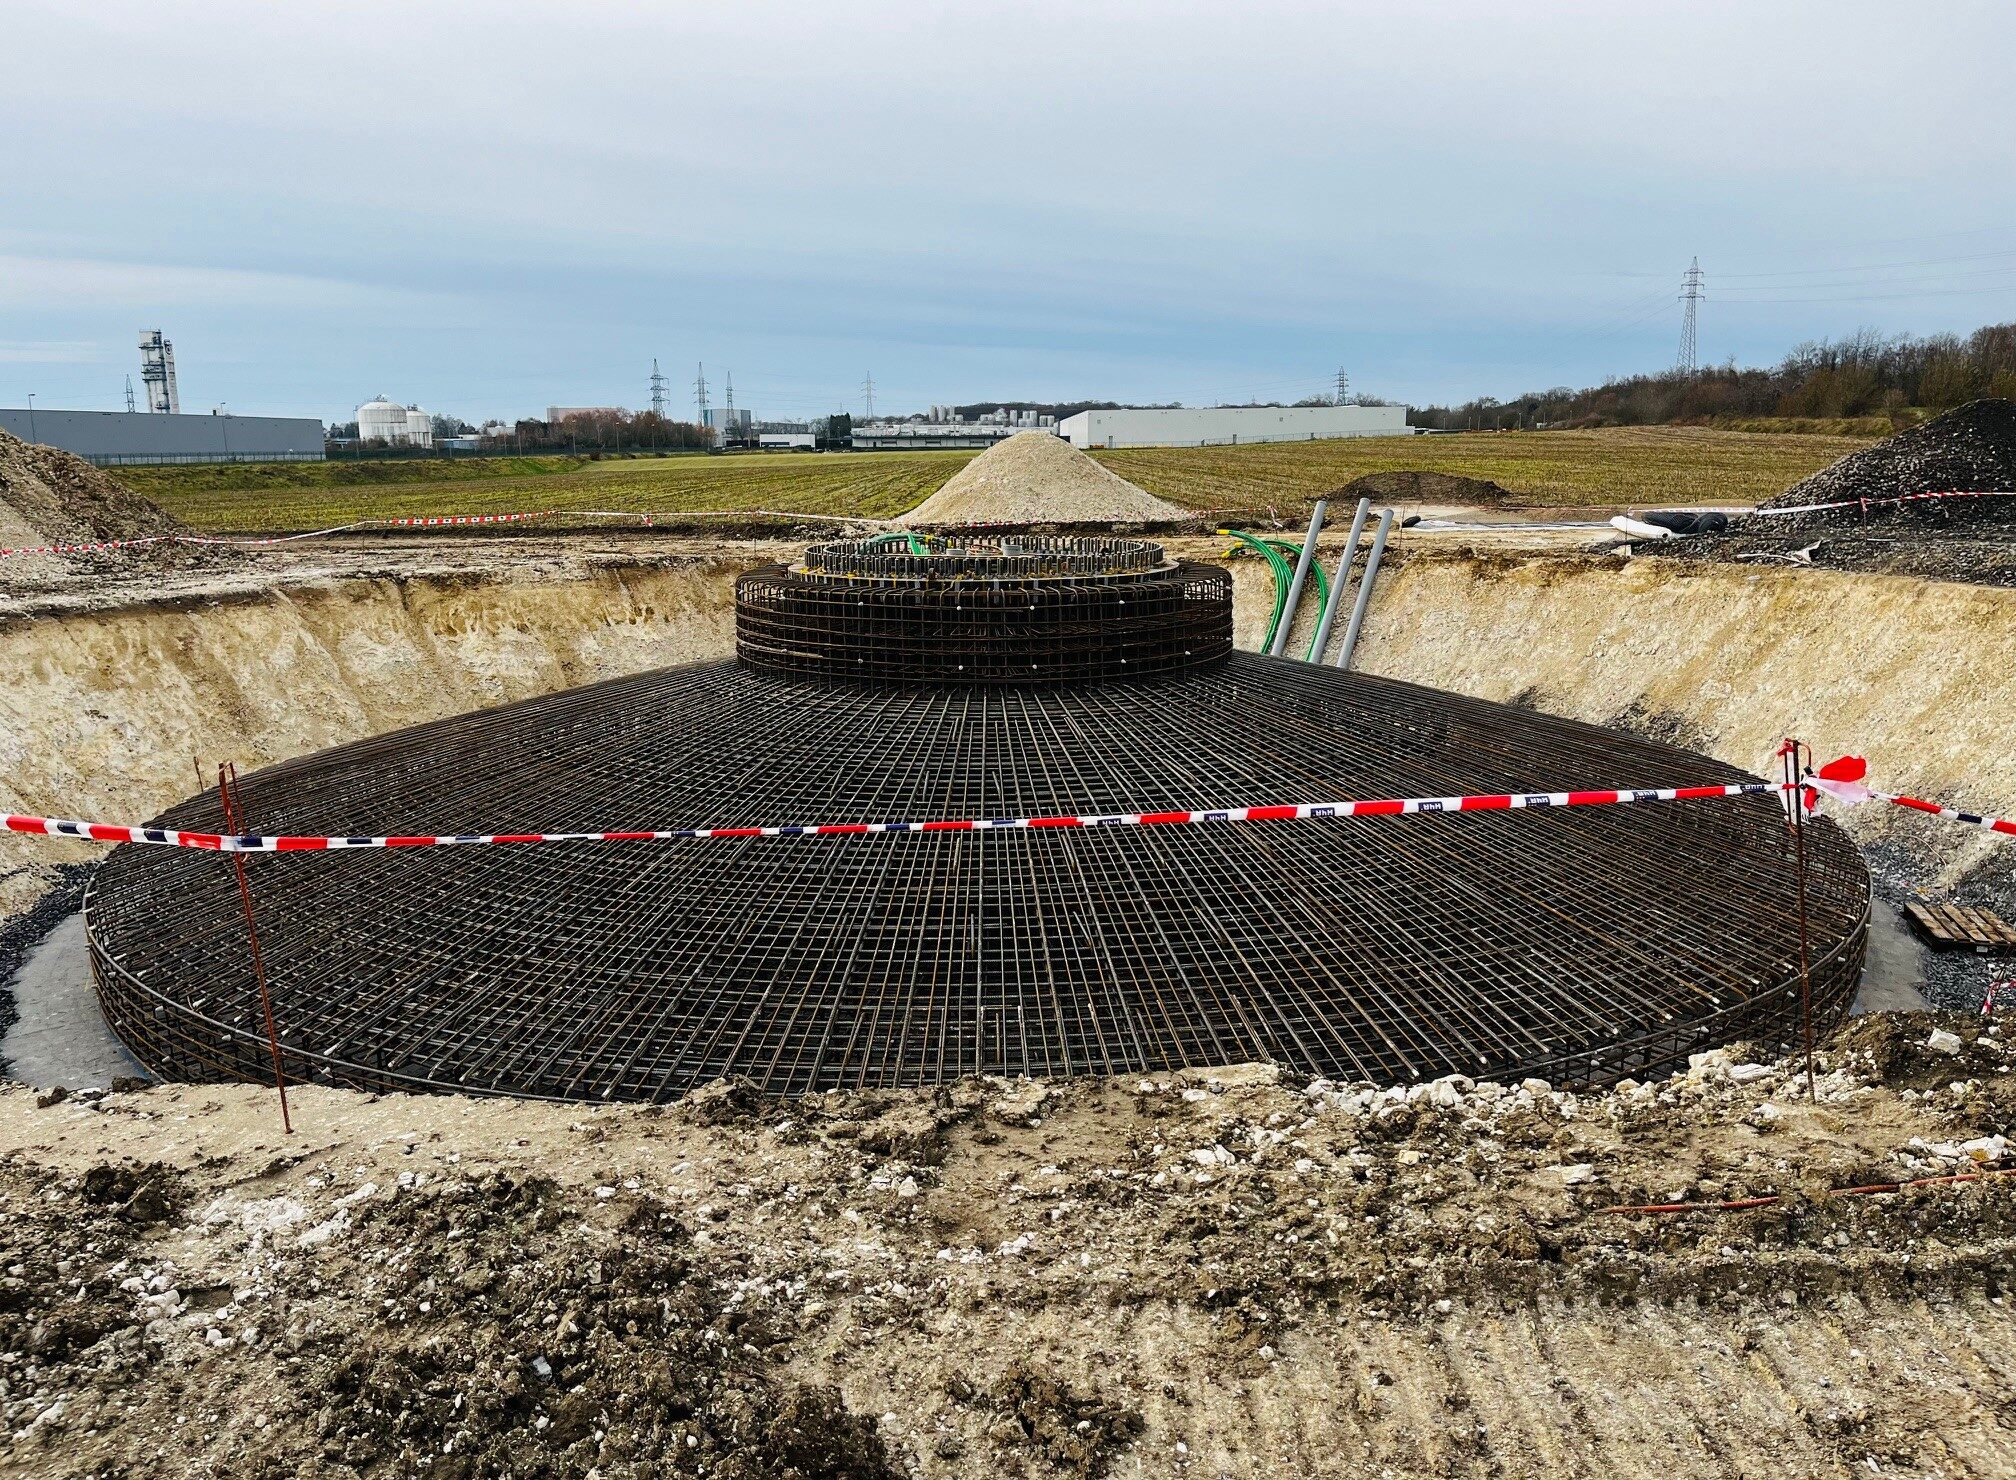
(1959, 927)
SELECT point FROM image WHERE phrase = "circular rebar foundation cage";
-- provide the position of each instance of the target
(1579, 944)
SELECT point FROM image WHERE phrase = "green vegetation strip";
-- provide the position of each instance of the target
(1619, 466)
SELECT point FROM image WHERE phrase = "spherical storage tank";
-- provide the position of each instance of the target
(381, 421)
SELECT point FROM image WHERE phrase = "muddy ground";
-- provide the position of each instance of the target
(1190, 1274)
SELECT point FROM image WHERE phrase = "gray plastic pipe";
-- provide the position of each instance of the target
(1365, 588)
(1338, 583)
(1302, 564)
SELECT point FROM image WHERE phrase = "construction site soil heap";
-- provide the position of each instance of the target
(906, 678)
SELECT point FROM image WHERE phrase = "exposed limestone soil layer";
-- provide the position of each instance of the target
(1226, 1275)
(1036, 478)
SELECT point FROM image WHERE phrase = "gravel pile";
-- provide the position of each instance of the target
(1971, 447)
(52, 497)
(1036, 478)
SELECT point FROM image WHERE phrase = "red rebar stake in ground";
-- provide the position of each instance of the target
(227, 776)
(1793, 755)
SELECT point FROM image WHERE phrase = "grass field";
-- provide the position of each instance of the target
(289, 496)
(1617, 466)
(1623, 465)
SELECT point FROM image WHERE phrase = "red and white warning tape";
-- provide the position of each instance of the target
(425, 521)
(252, 542)
(1871, 503)
(1840, 780)
(1843, 781)
(114, 832)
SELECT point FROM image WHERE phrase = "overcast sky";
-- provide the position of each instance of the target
(490, 208)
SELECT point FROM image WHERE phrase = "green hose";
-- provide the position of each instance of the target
(1322, 590)
(917, 546)
(1282, 576)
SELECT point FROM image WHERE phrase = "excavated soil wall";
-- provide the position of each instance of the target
(105, 714)
(1728, 660)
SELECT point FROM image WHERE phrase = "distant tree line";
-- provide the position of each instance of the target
(607, 431)
(1866, 374)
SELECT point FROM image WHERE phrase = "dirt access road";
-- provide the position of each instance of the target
(1185, 1275)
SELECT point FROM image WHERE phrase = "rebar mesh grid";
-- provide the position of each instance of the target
(1067, 629)
(1583, 944)
(1012, 557)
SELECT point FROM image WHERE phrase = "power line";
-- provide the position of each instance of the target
(1690, 294)
(868, 397)
(659, 402)
(700, 392)
(1343, 384)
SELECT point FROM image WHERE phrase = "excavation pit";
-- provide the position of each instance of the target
(885, 682)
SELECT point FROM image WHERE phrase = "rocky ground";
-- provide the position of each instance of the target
(1970, 448)
(1189, 1274)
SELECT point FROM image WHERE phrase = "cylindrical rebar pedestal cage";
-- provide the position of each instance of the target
(912, 679)
(1018, 610)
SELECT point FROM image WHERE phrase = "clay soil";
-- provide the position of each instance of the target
(1194, 1274)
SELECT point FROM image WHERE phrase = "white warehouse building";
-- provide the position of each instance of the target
(1211, 425)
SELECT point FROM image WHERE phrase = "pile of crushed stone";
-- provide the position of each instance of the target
(1971, 447)
(1037, 478)
(1423, 488)
(1208, 1273)
(52, 497)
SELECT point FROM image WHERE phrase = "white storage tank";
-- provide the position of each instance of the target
(381, 421)
(419, 427)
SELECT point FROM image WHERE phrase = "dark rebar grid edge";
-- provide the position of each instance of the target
(1581, 946)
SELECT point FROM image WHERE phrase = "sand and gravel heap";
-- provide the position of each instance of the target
(1971, 447)
(1037, 478)
(52, 497)
(1201, 1274)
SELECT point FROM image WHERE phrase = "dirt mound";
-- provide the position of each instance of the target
(57, 497)
(1971, 447)
(1035, 478)
(52, 497)
(1192, 1273)
(1423, 488)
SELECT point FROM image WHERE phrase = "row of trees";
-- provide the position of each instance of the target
(608, 431)
(1866, 374)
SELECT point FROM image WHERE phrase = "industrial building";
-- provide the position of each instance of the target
(1207, 425)
(729, 422)
(157, 373)
(917, 436)
(903, 682)
(110, 438)
(395, 425)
